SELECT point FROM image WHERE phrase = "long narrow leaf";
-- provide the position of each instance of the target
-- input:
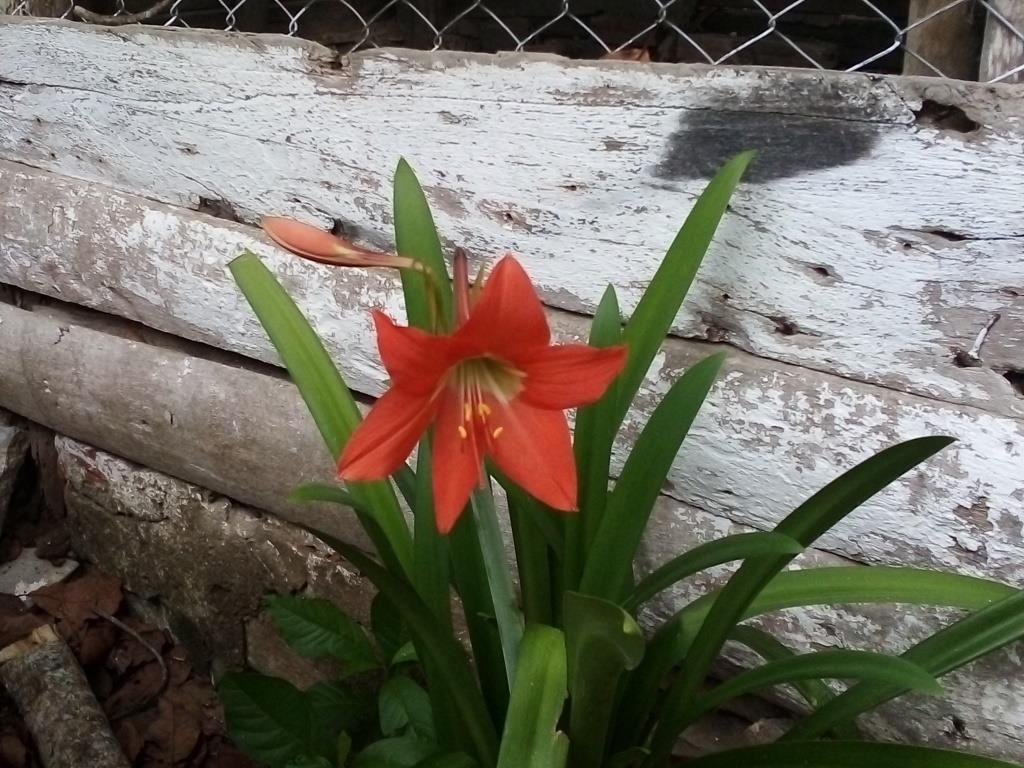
(793, 589)
(533, 565)
(737, 547)
(970, 638)
(531, 738)
(430, 548)
(843, 754)
(835, 665)
(594, 436)
(332, 494)
(805, 524)
(436, 644)
(416, 237)
(328, 398)
(610, 559)
(657, 309)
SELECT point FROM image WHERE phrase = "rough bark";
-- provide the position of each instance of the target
(70, 729)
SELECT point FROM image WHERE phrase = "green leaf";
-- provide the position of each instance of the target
(398, 752)
(309, 762)
(814, 692)
(968, 639)
(602, 641)
(592, 443)
(314, 627)
(416, 237)
(736, 547)
(610, 560)
(438, 649)
(449, 760)
(532, 561)
(268, 718)
(430, 548)
(388, 628)
(627, 757)
(335, 707)
(344, 749)
(658, 307)
(332, 494)
(835, 664)
(531, 738)
(405, 655)
(844, 754)
(805, 524)
(403, 703)
(328, 399)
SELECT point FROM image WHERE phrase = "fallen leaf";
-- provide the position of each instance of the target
(138, 689)
(129, 652)
(629, 54)
(83, 598)
(129, 736)
(16, 620)
(93, 642)
(223, 755)
(13, 752)
(174, 733)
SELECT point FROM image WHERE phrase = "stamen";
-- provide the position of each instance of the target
(484, 410)
(497, 432)
(462, 432)
(467, 412)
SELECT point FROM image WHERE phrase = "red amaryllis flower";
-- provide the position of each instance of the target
(495, 387)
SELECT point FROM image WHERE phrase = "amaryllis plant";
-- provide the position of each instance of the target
(528, 653)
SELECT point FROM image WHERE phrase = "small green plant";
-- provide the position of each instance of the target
(557, 672)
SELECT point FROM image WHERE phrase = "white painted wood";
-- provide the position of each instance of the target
(109, 387)
(571, 163)
(1002, 49)
(771, 435)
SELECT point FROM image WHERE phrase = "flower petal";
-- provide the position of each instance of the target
(386, 437)
(532, 446)
(415, 360)
(569, 375)
(457, 462)
(508, 317)
(316, 244)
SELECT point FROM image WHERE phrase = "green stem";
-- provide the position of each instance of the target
(499, 580)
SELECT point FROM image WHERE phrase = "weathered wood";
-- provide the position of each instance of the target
(67, 723)
(168, 269)
(13, 449)
(1002, 49)
(877, 237)
(946, 38)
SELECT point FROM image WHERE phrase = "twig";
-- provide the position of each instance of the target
(164, 674)
(128, 18)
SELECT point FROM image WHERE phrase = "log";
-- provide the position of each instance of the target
(67, 723)
(1002, 50)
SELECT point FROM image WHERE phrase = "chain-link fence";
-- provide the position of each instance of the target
(966, 39)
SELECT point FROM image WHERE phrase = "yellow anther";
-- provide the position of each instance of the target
(483, 409)
(462, 432)
(467, 412)
(497, 433)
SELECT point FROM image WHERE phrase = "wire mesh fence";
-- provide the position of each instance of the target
(966, 39)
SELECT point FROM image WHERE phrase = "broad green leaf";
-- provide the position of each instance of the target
(388, 628)
(736, 547)
(403, 703)
(309, 762)
(328, 399)
(531, 738)
(444, 658)
(405, 655)
(316, 628)
(602, 641)
(592, 444)
(335, 707)
(399, 752)
(332, 494)
(805, 524)
(610, 559)
(844, 754)
(416, 237)
(658, 307)
(835, 665)
(968, 639)
(344, 749)
(627, 757)
(268, 718)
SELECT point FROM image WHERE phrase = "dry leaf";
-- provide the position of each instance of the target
(74, 602)
(137, 690)
(629, 54)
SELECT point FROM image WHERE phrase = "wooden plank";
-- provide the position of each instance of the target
(114, 392)
(942, 38)
(773, 434)
(878, 236)
(1002, 49)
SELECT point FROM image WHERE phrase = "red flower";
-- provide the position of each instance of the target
(495, 387)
